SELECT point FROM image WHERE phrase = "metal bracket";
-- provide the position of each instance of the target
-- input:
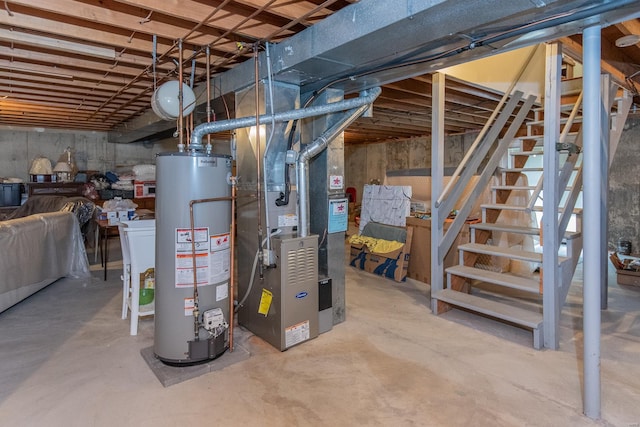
(568, 146)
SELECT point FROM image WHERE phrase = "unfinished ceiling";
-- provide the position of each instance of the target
(89, 64)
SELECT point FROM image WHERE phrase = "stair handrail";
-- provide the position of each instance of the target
(563, 138)
(483, 180)
(484, 130)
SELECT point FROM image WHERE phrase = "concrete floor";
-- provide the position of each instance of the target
(68, 360)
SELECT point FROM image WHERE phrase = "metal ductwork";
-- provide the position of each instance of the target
(207, 128)
(312, 150)
(370, 44)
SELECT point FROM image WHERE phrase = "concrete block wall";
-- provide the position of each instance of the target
(91, 150)
(624, 188)
(364, 163)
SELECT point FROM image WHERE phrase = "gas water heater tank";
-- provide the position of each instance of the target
(185, 179)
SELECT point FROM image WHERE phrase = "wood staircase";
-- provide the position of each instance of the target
(485, 281)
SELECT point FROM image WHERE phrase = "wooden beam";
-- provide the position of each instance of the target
(629, 27)
(123, 40)
(133, 20)
(613, 62)
(252, 29)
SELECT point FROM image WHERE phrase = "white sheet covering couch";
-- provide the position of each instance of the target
(37, 250)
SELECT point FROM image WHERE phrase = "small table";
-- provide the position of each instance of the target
(106, 230)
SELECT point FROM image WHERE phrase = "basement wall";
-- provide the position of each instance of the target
(363, 163)
(624, 188)
(368, 162)
(92, 151)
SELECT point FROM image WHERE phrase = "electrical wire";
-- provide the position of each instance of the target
(253, 271)
(489, 37)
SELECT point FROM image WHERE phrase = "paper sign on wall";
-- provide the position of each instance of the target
(338, 215)
(336, 182)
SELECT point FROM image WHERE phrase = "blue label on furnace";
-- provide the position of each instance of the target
(301, 295)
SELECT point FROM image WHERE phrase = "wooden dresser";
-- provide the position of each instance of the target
(55, 188)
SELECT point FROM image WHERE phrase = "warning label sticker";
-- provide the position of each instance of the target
(222, 292)
(296, 334)
(189, 305)
(219, 258)
(265, 302)
(189, 247)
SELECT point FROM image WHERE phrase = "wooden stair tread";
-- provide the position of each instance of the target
(502, 206)
(519, 316)
(526, 153)
(518, 254)
(513, 187)
(507, 280)
(570, 134)
(563, 120)
(577, 211)
(517, 229)
(518, 170)
(520, 187)
(508, 207)
(564, 107)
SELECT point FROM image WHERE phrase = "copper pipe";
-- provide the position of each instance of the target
(208, 72)
(225, 60)
(196, 310)
(167, 53)
(180, 96)
(232, 263)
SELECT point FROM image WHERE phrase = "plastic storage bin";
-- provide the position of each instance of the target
(10, 195)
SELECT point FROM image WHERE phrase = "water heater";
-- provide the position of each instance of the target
(192, 311)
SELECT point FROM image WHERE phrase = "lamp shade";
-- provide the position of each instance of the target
(62, 167)
(165, 101)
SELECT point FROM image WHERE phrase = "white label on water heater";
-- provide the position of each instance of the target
(184, 257)
(189, 305)
(296, 334)
(207, 162)
(219, 258)
(222, 292)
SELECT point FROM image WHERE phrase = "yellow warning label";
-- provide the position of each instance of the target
(265, 302)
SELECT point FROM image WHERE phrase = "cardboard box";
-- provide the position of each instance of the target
(628, 277)
(114, 217)
(420, 263)
(392, 265)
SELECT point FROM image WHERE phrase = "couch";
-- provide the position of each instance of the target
(41, 247)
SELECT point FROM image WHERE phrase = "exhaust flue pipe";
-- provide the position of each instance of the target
(207, 128)
(309, 152)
